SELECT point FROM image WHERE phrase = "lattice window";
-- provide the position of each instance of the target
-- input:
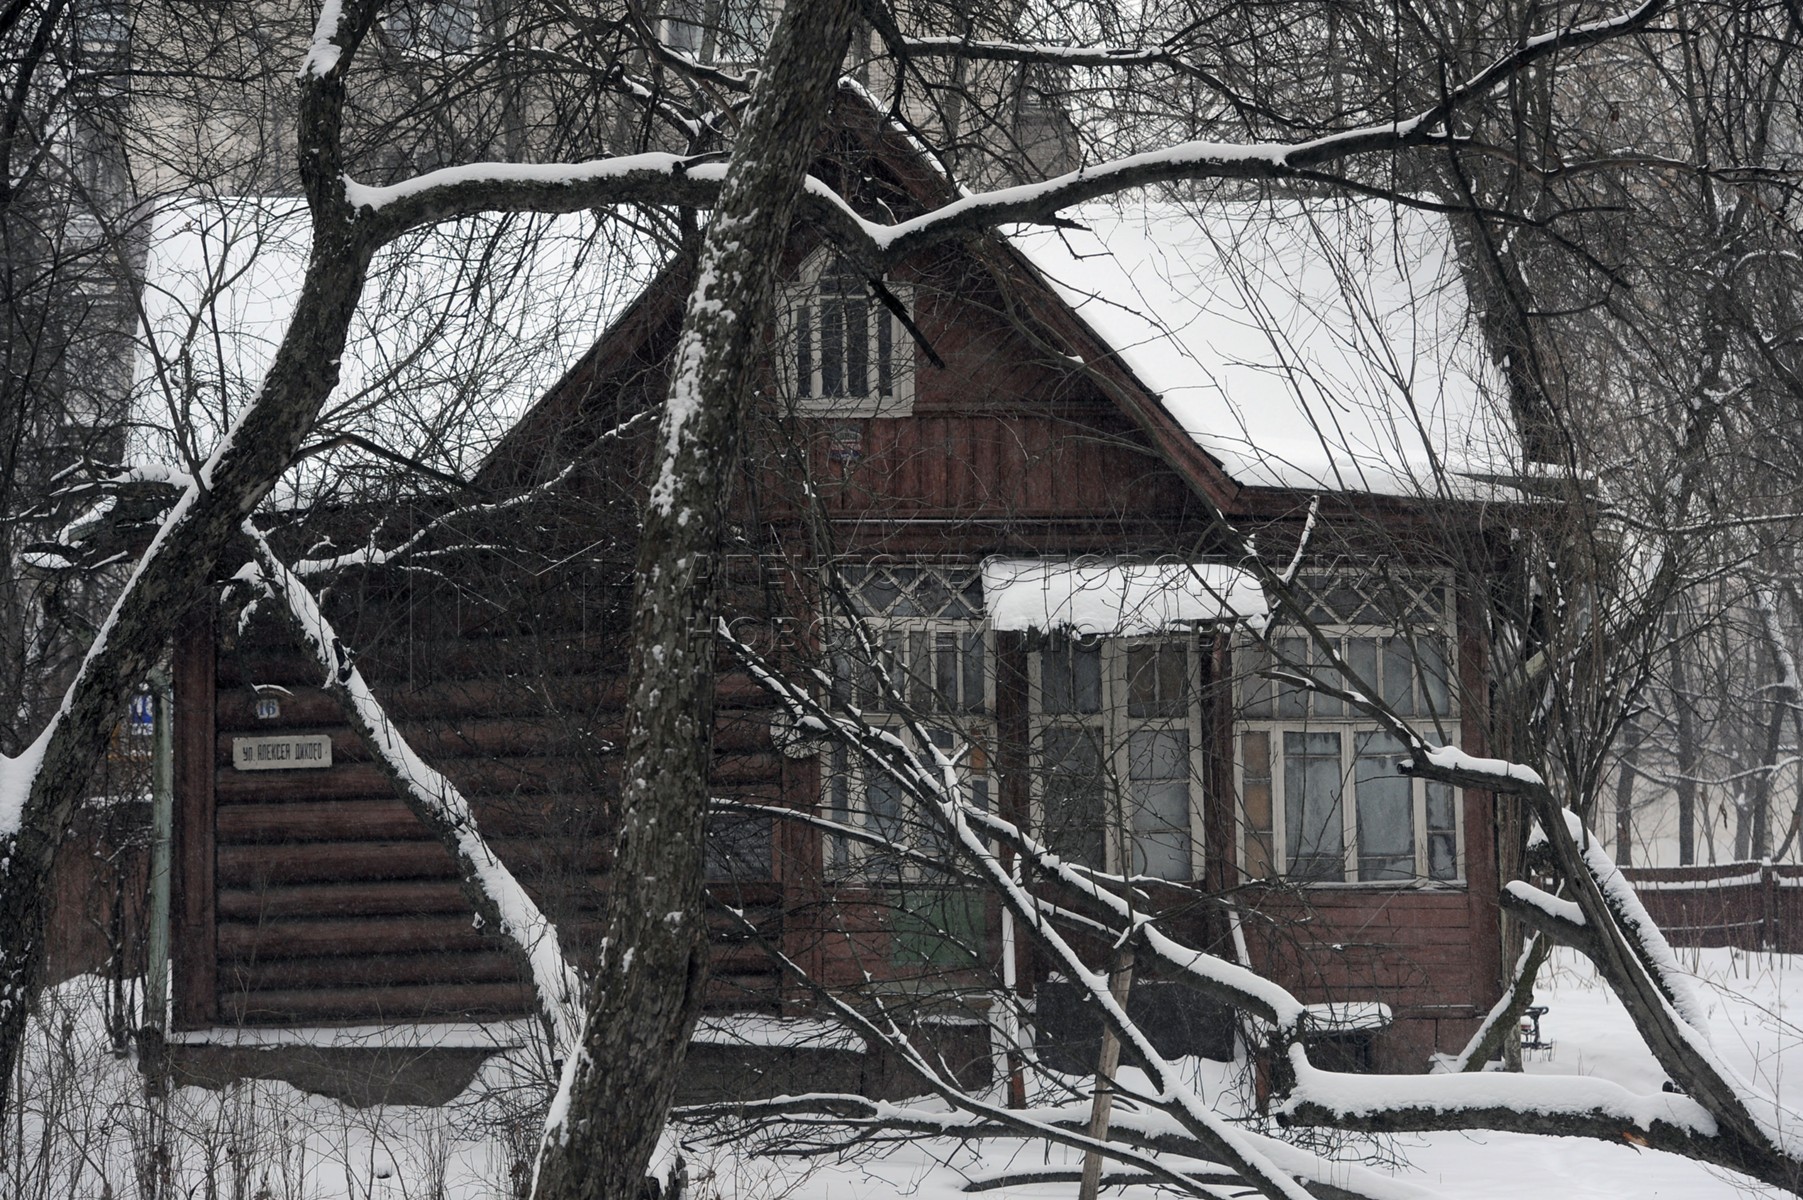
(1117, 747)
(1322, 795)
(926, 623)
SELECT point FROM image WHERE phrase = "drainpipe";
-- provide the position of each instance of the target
(162, 827)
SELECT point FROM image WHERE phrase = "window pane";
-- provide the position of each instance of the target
(971, 597)
(832, 347)
(1434, 677)
(1442, 833)
(1326, 706)
(838, 795)
(920, 672)
(1158, 772)
(946, 674)
(857, 348)
(896, 683)
(1158, 754)
(844, 689)
(1442, 856)
(874, 594)
(885, 353)
(1070, 676)
(804, 351)
(1086, 676)
(1399, 687)
(932, 837)
(1314, 840)
(1255, 690)
(1161, 843)
(1073, 795)
(1142, 681)
(1386, 809)
(1157, 680)
(1361, 656)
(883, 816)
(974, 698)
(1440, 818)
(907, 583)
(1255, 752)
(930, 594)
(1055, 679)
(1292, 655)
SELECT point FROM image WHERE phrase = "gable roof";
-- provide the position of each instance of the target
(1318, 345)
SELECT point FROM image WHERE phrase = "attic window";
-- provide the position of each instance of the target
(847, 354)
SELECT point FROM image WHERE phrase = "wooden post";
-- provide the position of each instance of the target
(194, 950)
(1015, 798)
(1768, 916)
(1102, 1106)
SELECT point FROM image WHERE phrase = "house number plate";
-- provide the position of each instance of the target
(287, 752)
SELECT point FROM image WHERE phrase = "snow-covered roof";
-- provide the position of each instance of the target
(1115, 598)
(1315, 344)
(461, 326)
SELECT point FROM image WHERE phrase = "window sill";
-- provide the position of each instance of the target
(849, 407)
(1363, 885)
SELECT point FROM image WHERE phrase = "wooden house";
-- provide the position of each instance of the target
(1007, 467)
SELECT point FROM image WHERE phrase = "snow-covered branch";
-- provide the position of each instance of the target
(372, 555)
(438, 802)
(1715, 1122)
(658, 178)
(472, 188)
(1023, 1122)
(1552, 917)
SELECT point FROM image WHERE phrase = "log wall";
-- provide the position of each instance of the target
(314, 895)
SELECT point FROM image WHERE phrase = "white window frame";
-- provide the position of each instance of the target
(801, 316)
(1113, 727)
(1326, 715)
(970, 733)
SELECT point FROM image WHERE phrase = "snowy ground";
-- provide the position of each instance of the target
(1751, 1024)
(266, 1141)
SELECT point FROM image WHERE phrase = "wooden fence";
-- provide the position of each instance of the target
(1749, 905)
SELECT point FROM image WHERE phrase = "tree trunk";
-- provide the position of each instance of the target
(1624, 795)
(181, 561)
(647, 992)
(1685, 758)
(173, 575)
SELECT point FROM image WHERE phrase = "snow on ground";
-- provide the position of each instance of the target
(1752, 1024)
(89, 1128)
(262, 1139)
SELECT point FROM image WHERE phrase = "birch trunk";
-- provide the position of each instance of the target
(647, 993)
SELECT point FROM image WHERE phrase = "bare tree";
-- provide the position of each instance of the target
(1423, 107)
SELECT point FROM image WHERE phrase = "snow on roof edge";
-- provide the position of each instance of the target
(1113, 597)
